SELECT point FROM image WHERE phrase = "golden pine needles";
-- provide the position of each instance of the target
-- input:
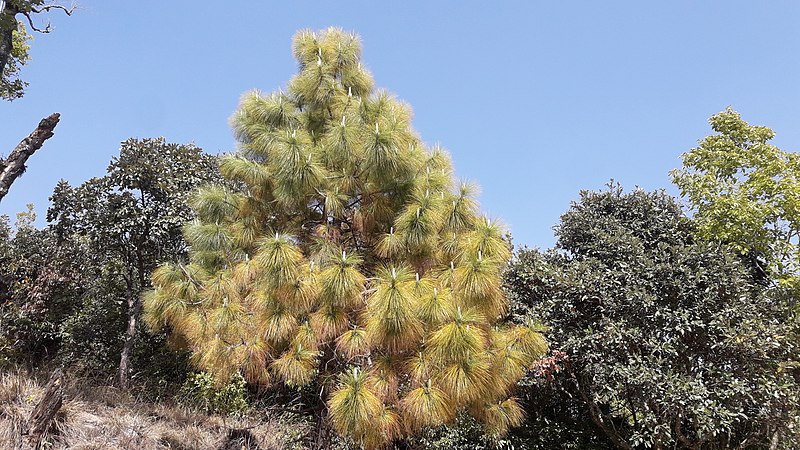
(498, 417)
(426, 406)
(353, 343)
(353, 407)
(341, 284)
(466, 380)
(347, 237)
(390, 320)
(296, 366)
(435, 307)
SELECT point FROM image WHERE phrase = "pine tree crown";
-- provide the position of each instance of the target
(351, 258)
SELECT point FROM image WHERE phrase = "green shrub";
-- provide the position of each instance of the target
(465, 432)
(203, 392)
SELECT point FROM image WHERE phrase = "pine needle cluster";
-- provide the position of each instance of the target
(351, 258)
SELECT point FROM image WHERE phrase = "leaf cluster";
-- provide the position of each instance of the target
(745, 192)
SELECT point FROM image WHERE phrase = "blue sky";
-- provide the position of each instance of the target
(535, 100)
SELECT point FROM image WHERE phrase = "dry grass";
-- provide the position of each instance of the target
(101, 417)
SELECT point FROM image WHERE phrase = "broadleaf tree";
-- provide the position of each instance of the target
(35, 293)
(351, 262)
(746, 191)
(670, 341)
(131, 220)
(14, 39)
(11, 85)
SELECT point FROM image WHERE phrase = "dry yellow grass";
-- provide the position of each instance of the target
(100, 417)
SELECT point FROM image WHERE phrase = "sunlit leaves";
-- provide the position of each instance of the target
(352, 343)
(657, 327)
(280, 259)
(459, 339)
(746, 192)
(11, 86)
(499, 417)
(214, 203)
(296, 367)
(341, 283)
(467, 380)
(426, 406)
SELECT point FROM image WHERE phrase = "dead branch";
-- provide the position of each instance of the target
(46, 410)
(14, 166)
(41, 9)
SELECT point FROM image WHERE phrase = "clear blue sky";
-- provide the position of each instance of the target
(535, 100)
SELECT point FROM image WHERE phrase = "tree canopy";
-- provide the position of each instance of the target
(130, 220)
(14, 40)
(351, 261)
(11, 85)
(746, 192)
(670, 341)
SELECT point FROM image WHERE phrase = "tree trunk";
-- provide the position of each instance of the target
(598, 419)
(322, 436)
(8, 23)
(47, 408)
(776, 439)
(130, 336)
(13, 166)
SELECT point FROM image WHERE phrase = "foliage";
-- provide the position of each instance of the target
(69, 291)
(14, 40)
(351, 261)
(465, 432)
(555, 419)
(746, 192)
(34, 289)
(670, 342)
(203, 392)
(131, 221)
(11, 86)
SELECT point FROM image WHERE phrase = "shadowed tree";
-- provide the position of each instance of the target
(351, 261)
(669, 341)
(131, 219)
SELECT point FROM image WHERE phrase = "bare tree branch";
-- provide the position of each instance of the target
(46, 29)
(14, 166)
(35, 10)
(67, 11)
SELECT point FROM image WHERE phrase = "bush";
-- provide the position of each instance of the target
(203, 392)
(670, 342)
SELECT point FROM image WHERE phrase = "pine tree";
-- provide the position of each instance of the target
(349, 259)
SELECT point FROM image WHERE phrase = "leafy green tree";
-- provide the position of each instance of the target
(746, 192)
(11, 85)
(34, 289)
(670, 342)
(351, 262)
(130, 220)
(14, 40)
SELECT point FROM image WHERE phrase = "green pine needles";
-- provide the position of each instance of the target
(350, 259)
